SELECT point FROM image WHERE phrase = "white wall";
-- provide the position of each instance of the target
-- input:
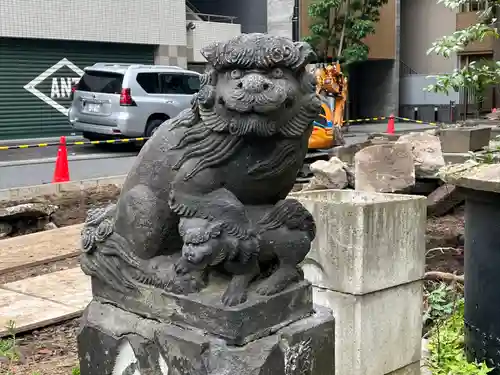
(160, 22)
(279, 17)
(422, 22)
(412, 92)
(206, 33)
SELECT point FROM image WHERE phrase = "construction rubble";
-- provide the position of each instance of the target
(408, 164)
(26, 218)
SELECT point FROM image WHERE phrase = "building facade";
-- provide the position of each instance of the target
(373, 84)
(399, 68)
(45, 45)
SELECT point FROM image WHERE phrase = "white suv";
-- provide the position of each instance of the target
(124, 100)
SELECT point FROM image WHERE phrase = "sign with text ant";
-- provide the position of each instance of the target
(53, 86)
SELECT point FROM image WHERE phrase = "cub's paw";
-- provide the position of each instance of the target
(268, 289)
(234, 296)
(182, 267)
(281, 279)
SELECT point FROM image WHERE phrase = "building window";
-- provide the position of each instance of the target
(474, 6)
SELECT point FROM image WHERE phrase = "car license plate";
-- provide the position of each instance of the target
(91, 107)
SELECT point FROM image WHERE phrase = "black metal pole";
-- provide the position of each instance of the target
(296, 22)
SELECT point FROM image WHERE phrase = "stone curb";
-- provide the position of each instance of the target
(30, 192)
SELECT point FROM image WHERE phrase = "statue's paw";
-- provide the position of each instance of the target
(234, 297)
(281, 279)
(197, 283)
(188, 283)
(181, 267)
(268, 289)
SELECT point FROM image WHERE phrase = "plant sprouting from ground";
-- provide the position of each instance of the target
(440, 302)
(8, 346)
(446, 347)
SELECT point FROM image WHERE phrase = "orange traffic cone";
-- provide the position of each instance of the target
(61, 172)
(390, 125)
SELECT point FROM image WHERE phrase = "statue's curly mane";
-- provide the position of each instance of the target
(291, 214)
(213, 138)
(219, 206)
(210, 148)
(213, 148)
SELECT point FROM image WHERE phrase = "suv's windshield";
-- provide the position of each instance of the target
(102, 82)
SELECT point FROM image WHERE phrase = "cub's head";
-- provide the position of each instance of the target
(202, 242)
(257, 84)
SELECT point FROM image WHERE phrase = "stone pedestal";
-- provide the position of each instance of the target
(457, 140)
(236, 325)
(118, 342)
(151, 330)
(366, 264)
(480, 183)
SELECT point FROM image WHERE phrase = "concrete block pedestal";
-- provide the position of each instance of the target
(366, 264)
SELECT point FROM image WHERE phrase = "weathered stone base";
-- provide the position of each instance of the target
(237, 325)
(113, 341)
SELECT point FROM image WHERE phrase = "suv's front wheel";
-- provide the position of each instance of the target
(152, 126)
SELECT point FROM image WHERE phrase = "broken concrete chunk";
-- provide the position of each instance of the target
(331, 174)
(346, 153)
(27, 210)
(385, 168)
(427, 154)
(5, 229)
(444, 199)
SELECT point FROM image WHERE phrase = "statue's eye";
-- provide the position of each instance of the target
(236, 73)
(277, 73)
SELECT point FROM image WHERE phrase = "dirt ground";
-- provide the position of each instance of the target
(73, 206)
(53, 350)
(445, 243)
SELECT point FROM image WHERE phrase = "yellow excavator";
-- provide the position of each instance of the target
(331, 85)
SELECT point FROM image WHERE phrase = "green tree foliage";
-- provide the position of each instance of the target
(478, 75)
(339, 27)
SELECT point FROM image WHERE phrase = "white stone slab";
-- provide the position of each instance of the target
(377, 333)
(365, 241)
(68, 287)
(28, 312)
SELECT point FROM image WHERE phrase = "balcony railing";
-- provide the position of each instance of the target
(215, 18)
(474, 6)
(193, 14)
(405, 70)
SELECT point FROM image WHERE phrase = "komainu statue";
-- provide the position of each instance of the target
(202, 235)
